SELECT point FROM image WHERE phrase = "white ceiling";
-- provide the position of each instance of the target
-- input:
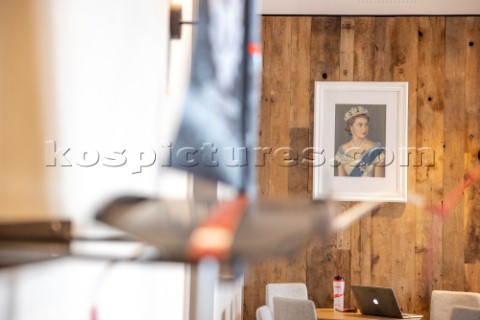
(371, 7)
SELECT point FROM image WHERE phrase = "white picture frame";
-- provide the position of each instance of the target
(387, 107)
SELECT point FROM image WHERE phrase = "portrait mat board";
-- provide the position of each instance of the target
(394, 97)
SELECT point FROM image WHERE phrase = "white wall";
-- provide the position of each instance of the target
(109, 65)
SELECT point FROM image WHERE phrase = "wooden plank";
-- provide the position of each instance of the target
(364, 49)
(280, 104)
(279, 138)
(263, 158)
(256, 274)
(299, 134)
(472, 215)
(298, 173)
(472, 85)
(431, 37)
(295, 267)
(381, 255)
(280, 53)
(347, 40)
(360, 262)
(320, 271)
(472, 277)
(299, 121)
(436, 102)
(281, 59)
(472, 221)
(472, 149)
(325, 48)
(254, 289)
(297, 189)
(454, 128)
(382, 57)
(277, 270)
(300, 72)
(405, 63)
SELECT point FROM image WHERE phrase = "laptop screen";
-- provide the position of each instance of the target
(377, 301)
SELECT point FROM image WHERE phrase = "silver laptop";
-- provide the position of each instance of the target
(379, 301)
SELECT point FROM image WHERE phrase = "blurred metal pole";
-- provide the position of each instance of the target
(207, 272)
(204, 275)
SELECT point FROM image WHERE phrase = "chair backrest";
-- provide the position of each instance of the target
(443, 302)
(464, 313)
(293, 309)
(284, 290)
(264, 313)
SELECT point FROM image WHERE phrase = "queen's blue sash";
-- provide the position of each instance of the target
(366, 160)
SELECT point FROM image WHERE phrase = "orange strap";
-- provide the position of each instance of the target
(214, 236)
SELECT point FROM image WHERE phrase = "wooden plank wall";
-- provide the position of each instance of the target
(440, 59)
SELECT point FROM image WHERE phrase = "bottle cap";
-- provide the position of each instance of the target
(338, 277)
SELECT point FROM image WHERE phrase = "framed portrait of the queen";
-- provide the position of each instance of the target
(360, 141)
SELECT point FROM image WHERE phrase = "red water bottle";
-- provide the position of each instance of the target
(338, 292)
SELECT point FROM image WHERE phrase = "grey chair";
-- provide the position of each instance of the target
(264, 313)
(464, 313)
(293, 309)
(284, 290)
(443, 302)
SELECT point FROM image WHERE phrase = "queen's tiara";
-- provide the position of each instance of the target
(355, 111)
